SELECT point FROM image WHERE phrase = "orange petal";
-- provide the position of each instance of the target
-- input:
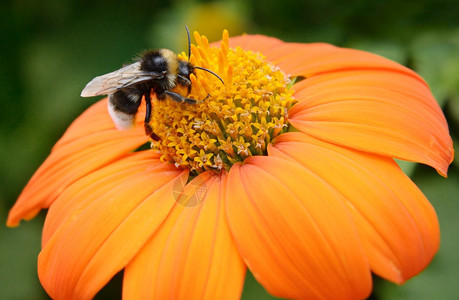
(89, 143)
(382, 112)
(95, 185)
(101, 221)
(299, 59)
(360, 100)
(398, 226)
(315, 59)
(294, 232)
(193, 255)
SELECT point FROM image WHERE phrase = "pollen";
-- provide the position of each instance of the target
(231, 120)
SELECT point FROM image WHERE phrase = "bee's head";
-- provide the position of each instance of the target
(185, 69)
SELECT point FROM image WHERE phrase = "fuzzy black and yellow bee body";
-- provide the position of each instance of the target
(157, 71)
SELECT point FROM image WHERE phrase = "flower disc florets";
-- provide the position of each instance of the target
(233, 120)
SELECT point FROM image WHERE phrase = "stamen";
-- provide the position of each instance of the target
(242, 105)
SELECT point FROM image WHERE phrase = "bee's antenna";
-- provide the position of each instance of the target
(189, 55)
(189, 42)
(215, 74)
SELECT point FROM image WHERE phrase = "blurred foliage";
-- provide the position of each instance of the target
(52, 48)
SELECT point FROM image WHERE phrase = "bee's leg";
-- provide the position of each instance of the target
(179, 98)
(182, 80)
(208, 95)
(148, 129)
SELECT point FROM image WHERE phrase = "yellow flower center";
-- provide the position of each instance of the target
(232, 120)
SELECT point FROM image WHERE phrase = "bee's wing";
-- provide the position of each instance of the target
(116, 80)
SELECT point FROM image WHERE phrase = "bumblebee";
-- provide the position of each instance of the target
(159, 71)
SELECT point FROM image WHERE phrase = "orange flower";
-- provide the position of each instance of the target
(294, 180)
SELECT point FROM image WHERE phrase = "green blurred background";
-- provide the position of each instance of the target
(50, 49)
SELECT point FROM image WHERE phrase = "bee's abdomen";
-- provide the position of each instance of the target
(123, 106)
(126, 100)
